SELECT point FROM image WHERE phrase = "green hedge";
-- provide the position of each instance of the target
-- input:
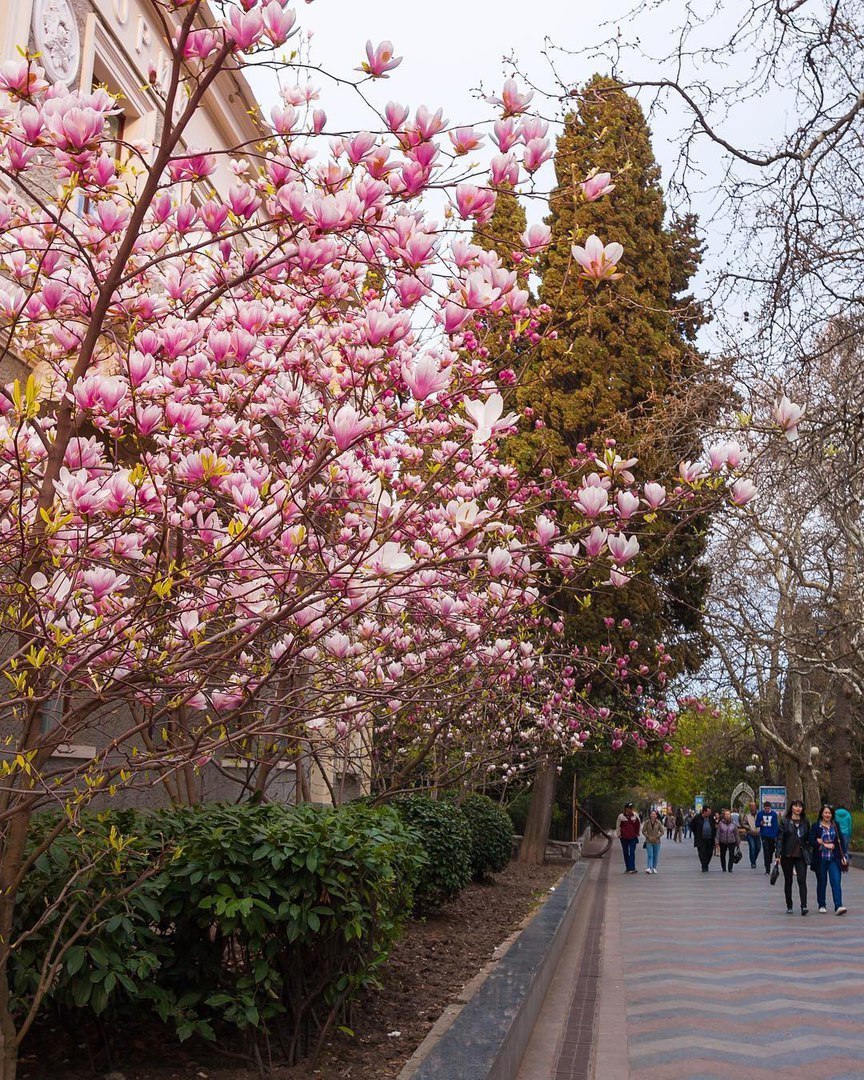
(491, 835)
(444, 834)
(242, 916)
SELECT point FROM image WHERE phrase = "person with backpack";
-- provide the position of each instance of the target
(844, 823)
(627, 829)
(829, 859)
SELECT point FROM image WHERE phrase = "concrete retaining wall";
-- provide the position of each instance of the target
(487, 1039)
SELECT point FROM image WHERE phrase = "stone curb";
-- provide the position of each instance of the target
(485, 1038)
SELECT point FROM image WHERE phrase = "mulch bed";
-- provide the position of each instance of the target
(426, 971)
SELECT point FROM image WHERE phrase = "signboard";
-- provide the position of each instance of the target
(776, 796)
(698, 803)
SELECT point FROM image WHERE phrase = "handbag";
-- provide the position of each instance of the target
(737, 856)
(775, 873)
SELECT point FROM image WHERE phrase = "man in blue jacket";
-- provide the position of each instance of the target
(766, 821)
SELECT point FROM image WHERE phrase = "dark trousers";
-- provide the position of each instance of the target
(629, 849)
(706, 852)
(754, 843)
(727, 851)
(799, 865)
(769, 843)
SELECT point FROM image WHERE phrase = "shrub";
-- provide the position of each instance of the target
(445, 837)
(491, 835)
(245, 916)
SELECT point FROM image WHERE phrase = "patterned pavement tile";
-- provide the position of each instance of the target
(718, 982)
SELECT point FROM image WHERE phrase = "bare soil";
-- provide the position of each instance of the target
(434, 959)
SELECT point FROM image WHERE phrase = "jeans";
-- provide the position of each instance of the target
(727, 851)
(653, 851)
(828, 870)
(799, 865)
(629, 849)
(754, 843)
(769, 843)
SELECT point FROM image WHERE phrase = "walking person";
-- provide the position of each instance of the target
(768, 825)
(679, 824)
(704, 832)
(829, 859)
(728, 841)
(627, 829)
(793, 852)
(669, 822)
(688, 818)
(652, 835)
(750, 823)
(844, 822)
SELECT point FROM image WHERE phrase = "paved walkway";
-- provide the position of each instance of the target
(704, 976)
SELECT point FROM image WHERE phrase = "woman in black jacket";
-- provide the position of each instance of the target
(793, 852)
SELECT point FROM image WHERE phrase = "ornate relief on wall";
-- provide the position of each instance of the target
(56, 34)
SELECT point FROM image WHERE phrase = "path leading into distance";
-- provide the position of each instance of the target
(690, 976)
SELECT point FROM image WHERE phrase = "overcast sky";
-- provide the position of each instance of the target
(451, 47)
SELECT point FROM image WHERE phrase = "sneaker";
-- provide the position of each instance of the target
(804, 910)
(840, 911)
(823, 910)
(789, 911)
(655, 871)
(650, 871)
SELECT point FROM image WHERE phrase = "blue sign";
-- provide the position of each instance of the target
(776, 796)
(698, 803)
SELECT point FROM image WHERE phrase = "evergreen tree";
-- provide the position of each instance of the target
(624, 365)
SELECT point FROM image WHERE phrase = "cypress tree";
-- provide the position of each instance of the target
(623, 366)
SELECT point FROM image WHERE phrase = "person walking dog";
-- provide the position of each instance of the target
(728, 842)
(652, 834)
(793, 852)
(829, 859)
(627, 829)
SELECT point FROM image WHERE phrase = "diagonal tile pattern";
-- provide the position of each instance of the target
(717, 981)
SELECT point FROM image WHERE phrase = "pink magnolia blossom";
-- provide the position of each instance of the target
(512, 101)
(788, 415)
(622, 548)
(475, 202)
(347, 426)
(654, 495)
(379, 60)
(425, 376)
(488, 419)
(598, 262)
(536, 238)
(592, 501)
(743, 491)
(465, 139)
(595, 187)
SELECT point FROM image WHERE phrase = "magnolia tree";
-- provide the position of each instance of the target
(251, 501)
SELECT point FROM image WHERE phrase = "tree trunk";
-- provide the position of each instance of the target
(533, 847)
(12, 861)
(840, 749)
